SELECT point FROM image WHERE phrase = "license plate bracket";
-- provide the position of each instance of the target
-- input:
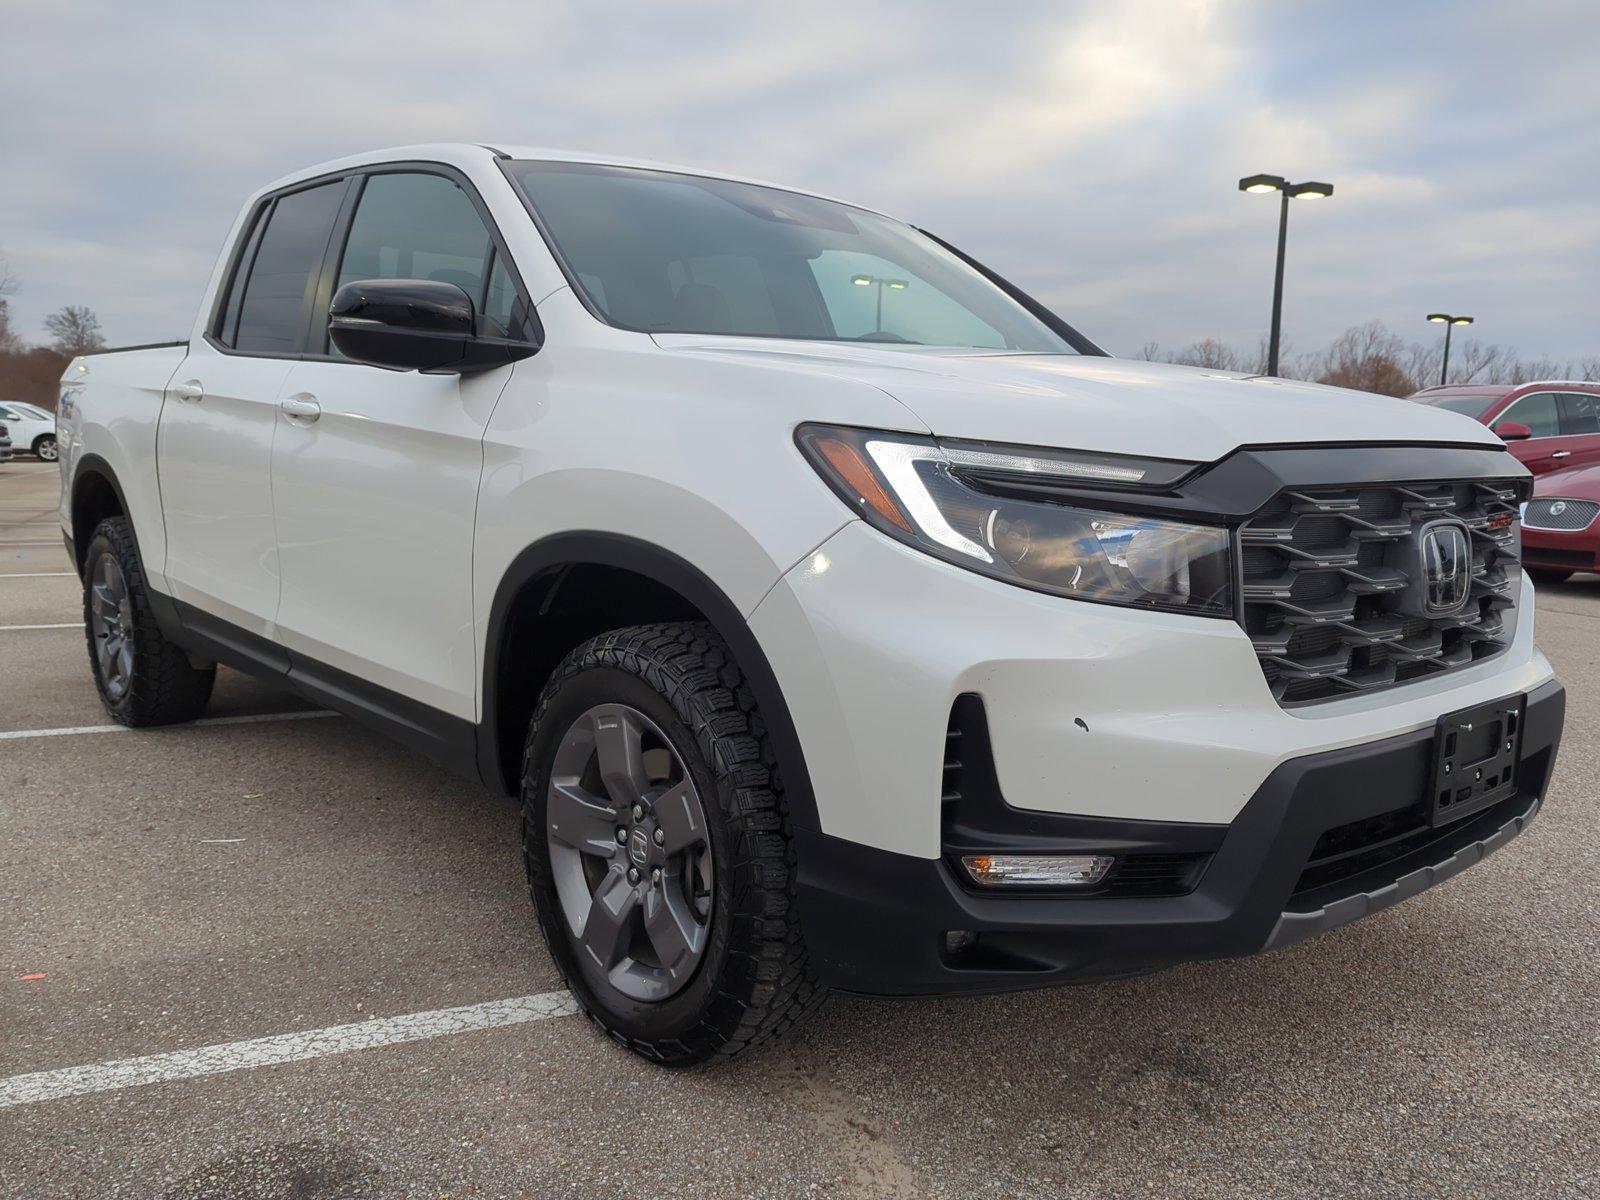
(1475, 756)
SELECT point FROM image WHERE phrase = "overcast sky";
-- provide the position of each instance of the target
(1089, 151)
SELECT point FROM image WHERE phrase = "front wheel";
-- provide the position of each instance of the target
(142, 678)
(45, 447)
(658, 847)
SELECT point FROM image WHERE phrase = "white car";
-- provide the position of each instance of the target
(841, 616)
(33, 429)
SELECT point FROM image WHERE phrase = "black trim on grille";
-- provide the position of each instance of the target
(1362, 853)
(1327, 595)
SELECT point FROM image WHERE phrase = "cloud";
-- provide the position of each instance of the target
(1089, 151)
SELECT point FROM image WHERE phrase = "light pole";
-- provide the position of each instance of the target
(1449, 323)
(1261, 184)
(898, 285)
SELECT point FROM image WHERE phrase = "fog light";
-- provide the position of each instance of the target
(1037, 870)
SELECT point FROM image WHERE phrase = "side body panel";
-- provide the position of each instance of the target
(602, 432)
(215, 461)
(111, 410)
(375, 502)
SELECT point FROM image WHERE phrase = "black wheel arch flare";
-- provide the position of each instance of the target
(595, 548)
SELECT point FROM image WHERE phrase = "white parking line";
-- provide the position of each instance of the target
(282, 1048)
(69, 731)
(36, 574)
(21, 628)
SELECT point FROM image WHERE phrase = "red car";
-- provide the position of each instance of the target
(1560, 532)
(1548, 426)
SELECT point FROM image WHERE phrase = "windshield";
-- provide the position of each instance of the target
(662, 252)
(1471, 406)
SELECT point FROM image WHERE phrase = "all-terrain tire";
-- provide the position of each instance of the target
(754, 981)
(164, 686)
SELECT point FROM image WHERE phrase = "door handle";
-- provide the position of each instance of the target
(189, 390)
(303, 408)
(1562, 454)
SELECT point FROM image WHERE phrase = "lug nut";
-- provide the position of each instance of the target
(661, 838)
(633, 874)
(622, 835)
(655, 874)
(638, 812)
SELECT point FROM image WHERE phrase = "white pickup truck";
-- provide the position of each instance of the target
(842, 617)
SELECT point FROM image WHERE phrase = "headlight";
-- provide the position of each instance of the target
(961, 503)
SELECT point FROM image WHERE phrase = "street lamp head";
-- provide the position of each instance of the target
(1439, 318)
(1461, 320)
(1310, 191)
(868, 281)
(1262, 183)
(898, 285)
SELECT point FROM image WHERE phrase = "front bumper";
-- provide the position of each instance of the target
(1093, 710)
(877, 922)
(1558, 550)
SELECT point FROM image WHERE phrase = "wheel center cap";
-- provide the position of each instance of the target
(639, 846)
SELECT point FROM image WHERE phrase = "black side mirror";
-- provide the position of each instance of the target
(415, 325)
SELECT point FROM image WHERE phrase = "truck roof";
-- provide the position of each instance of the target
(463, 154)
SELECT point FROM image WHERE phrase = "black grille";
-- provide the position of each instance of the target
(1155, 874)
(1349, 852)
(1323, 578)
(1562, 516)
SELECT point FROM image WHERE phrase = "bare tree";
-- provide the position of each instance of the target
(1367, 358)
(1371, 358)
(10, 343)
(74, 330)
(1209, 352)
(1473, 362)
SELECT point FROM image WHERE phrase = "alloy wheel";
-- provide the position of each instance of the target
(111, 623)
(630, 852)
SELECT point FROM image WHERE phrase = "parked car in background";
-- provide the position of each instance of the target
(1549, 426)
(5, 444)
(32, 428)
(1560, 529)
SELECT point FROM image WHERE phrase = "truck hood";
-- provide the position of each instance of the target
(1118, 406)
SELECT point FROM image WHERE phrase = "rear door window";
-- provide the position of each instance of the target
(281, 278)
(1580, 414)
(1538, 412)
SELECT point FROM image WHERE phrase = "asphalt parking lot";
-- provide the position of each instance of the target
(253, 879)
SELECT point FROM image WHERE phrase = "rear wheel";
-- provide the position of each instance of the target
(143, 679)
(1548, 575)
(658, 848)
(45, 447)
